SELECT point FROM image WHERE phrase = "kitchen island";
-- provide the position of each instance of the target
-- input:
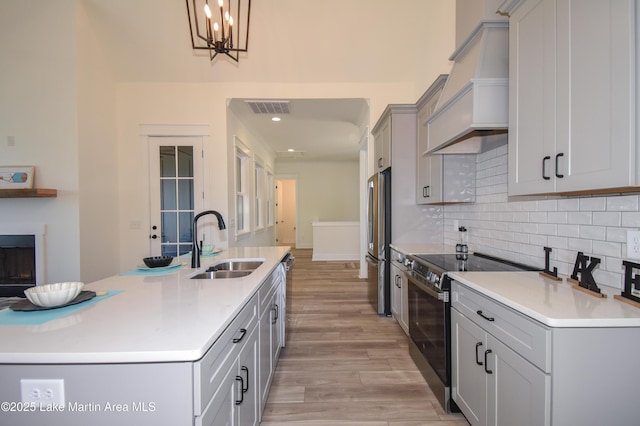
(532, 351)
(152, 352)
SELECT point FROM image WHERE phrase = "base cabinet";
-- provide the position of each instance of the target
(492, 384)
(223, 388)
(236, 399)
(509, 369)
(271, 321)
(399, 297)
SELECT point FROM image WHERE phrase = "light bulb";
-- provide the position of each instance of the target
(226, 15)
(207, 11)
(230, 20)
(215, 26)
(220, 3)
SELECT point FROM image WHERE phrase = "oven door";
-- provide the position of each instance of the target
(429, 327)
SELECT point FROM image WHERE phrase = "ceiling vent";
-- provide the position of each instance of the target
(269, 107)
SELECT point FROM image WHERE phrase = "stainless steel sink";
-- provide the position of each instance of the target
(232, 268)
(210, 275)
(236, 265)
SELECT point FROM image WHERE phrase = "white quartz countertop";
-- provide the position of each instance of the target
(554, 303)
(165, 318)
(418, 248)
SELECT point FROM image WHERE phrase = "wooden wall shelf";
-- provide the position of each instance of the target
(28, 193)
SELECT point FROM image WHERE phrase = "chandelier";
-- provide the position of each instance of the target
(218, 29)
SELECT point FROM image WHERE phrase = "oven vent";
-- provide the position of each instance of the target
(269, 107)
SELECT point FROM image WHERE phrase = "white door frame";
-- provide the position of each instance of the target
(149, 131)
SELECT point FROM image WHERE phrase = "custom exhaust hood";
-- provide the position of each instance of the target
(472, 114)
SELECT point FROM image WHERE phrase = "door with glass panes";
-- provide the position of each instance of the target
(176, 192)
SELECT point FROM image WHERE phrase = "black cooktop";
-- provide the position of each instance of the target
(470, 262)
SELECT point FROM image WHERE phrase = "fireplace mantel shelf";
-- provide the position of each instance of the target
(28, 193)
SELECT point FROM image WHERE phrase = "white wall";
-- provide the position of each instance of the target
(517, 228)
(260, 152)
(327, 192)
(38, 107)
(97, 157)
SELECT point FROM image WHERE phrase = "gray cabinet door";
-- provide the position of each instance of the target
(517, 392)
(469, 379)
(222, 408)
(248, 408)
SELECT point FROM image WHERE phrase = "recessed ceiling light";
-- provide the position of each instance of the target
(291, 150)
(275, 118)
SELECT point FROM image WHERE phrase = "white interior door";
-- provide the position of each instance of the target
(176, 192)
(286, 211)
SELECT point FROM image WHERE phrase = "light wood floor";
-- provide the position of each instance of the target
(344, 364)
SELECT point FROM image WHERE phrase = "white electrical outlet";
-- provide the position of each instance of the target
(42, 392)
(455, 225)
(633, 244)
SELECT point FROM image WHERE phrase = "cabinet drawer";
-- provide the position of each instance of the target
(209, 371)
(527, 337)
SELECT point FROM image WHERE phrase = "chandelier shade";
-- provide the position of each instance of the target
(219, 26)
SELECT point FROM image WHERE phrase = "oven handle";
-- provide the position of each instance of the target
(442, 296)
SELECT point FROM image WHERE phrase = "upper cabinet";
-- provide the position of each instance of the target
(440, 179)
(572, 96)
(382, 144)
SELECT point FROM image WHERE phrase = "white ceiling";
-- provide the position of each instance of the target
(148, 41)
(317, 129)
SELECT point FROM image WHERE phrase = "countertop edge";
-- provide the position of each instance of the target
(546, 320)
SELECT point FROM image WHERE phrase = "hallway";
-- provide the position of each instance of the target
(343, 364)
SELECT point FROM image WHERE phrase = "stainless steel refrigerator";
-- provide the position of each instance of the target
(378, 240)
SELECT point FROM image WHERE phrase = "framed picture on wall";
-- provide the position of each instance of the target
(13, 177)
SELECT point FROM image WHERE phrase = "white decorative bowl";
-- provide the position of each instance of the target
(52, 295)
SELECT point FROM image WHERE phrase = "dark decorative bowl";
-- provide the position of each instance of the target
(157, 261)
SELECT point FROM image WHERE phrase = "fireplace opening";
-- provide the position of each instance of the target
(17, 264)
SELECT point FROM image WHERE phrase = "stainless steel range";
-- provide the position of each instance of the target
(430, 313)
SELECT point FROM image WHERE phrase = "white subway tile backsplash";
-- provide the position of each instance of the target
(593, 232)
(547, 205)
(630, 219)
(593, 204)
(568, 230)
(623, 203)
(538, 240)
(607, 218)
(518, 228)
(617, 235)
(613, 264)
(605, 248)
(569, 205)
(557, 217)
(547, 229)
(559, 242)
(578, 244)
(538, 217)
(579, 218)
